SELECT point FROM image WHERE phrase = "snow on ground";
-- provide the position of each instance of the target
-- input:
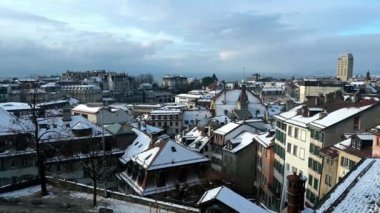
(22, 192)
(118, 206)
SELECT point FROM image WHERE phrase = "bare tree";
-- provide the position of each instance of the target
(96, 163)
(40, 156)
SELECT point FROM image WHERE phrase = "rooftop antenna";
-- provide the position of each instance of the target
(243, 74)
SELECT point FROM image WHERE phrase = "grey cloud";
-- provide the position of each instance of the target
(14, 15)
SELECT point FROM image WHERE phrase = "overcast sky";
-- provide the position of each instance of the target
(188, 37)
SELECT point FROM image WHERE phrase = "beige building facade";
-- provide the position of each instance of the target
(345, 66)
(316, 88)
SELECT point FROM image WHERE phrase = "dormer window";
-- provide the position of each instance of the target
(356, 143)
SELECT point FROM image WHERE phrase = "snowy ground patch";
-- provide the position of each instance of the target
(22, 192)
(118, 206)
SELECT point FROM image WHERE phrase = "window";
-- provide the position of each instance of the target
(356, 123)
(314, 165)
(316, 182)
(356, 144)
(280, 136)
(295, 150)
(303, 135)
(290, 130)
(289, 148)
(287, 167)
(302, 153)
(328, 180)
(317, 135)
(310, 196)
(310, 180)
(279, 167)
(296, 132)
(283, 127)
(329, 161)
(314, 149)
(278, 150)
(345, 162)
(278, 123)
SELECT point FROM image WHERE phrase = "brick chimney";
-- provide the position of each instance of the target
(296, 193)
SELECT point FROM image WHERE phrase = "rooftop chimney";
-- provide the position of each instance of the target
(322, 114)
(66, 114)
(305, 111)
(296, 193)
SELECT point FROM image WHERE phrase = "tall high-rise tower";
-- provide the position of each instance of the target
(345, 66)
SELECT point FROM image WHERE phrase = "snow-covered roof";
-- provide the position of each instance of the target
(53, 102)
(275, 109)
(9, 124)
(167, 154)
(193, 133)
(226, 128)
(289, 114)
(50, 84)
(230, 199)
(272, 89)
(359, 191)
(86, 109)
(221, 119)
(338, 116)
(188, 96)
(242, 140)
(120, 106)
(292, 117)
(165, 112)
(199, 143)
(58, 129)
(226, 101)
(264, 139)
(365, 136)
(343, 144)
(140, 144)
(149, 129)
(11, 106)
(193, 115)
(80, 126)
(73, 101)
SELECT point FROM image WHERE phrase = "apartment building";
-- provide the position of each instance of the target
(17, 153)
(353, 118)
(339, 159)
(169, 120)
(175, 83)
(102, 115)
(345, 66)
(292, 145)
(83, 93)
(225, 133)
(314, 88)
(263, 182)
(302, 131)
